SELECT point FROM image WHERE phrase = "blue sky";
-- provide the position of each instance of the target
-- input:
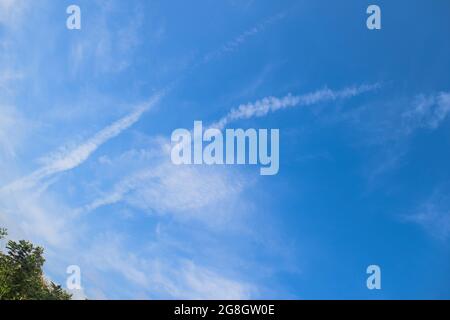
(85, 123)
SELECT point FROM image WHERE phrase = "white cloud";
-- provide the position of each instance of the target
(12, 128)
(36, 216)
(190, 281)
(161, 187)
(234, 44)
(434, 214)
(160, 276)
(7, 76)
(264, 106)
(191, 191)
(11, 11)
(187, 191)
(427, 112)
(67, 160)
(435, 220)
(42, 215)
(106, 48)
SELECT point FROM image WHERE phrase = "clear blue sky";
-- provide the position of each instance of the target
(85, 123)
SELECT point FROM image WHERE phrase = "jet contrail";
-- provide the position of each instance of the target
(68, 160)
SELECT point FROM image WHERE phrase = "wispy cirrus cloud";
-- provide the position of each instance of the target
(200, 283)
(11, 11)
(107, 48)
(160, 187)
(67, 160)
(434, 214)
(12, 128)
(41, 217)
(388, 128)
(169, 188)
(238, 41)
(397, 119)
(191, 193)
(427, 111)
(9, 76)
(47, 217)
(157, 277)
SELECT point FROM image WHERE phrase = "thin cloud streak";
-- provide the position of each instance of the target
(266, 105)
(234, 44)
(69, 160)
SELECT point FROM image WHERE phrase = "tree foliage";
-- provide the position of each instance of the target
(21, 274)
